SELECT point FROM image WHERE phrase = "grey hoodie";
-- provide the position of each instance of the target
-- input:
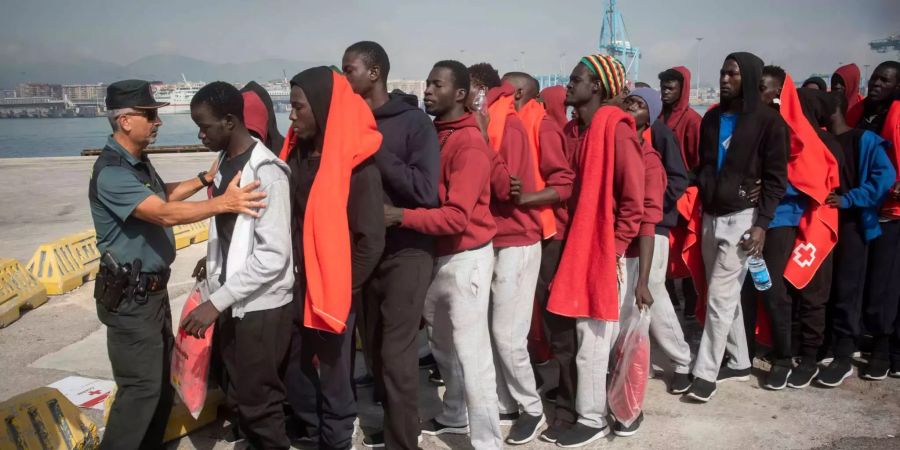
(260, 268)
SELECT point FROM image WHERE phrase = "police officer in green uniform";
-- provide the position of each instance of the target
(133, 212)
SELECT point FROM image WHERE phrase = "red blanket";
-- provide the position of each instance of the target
(688, 244)
(813, 170)
(586, 283)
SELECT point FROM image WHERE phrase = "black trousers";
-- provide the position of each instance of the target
(849, 281)
(810, 303)
(776, 301)
(880, 313)
(254, 350)
(689, 291)
(139, 340)
(562, 335)
(323, 400)
(389, 321)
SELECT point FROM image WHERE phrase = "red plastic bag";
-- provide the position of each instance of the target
(629, 378)
(190, 360)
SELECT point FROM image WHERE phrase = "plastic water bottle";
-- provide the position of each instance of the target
(480, 102)
(759, 272)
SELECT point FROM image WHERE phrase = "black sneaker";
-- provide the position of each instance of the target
(427, 362)
(525, 429)
(702, 390)
(435, 428)
(621, 430)
(552, 433)
(778, 376)
(364, 381)
(435, 377)
(839, 370)
(895, 370)
(508, 418)
(876, 370)
(374, 440)
(233, 435)
(580, 435)
(728, 374)
(803, 374)
(550, 395)
(681, 382)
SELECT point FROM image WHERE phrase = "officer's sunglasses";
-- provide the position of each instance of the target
(149, 114)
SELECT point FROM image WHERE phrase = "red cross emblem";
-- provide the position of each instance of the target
(804, 254)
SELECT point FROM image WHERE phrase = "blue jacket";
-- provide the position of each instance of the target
(790, 209)
(876, 176)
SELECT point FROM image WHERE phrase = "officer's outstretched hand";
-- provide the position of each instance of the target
(196, 323)
(242, 199)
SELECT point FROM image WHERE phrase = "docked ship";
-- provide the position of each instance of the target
(178, 96)
(179, 99)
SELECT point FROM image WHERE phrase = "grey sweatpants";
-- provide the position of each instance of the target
(456, 311)
(665, 329)
(726, 267)
(596, 339)
(512, 302)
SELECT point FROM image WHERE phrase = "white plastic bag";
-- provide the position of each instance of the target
(629, 378)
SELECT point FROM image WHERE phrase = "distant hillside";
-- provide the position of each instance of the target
(166, 68)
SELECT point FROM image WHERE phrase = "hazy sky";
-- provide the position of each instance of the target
(804, 36)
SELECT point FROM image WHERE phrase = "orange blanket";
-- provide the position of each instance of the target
(351, 136)
(532, 114)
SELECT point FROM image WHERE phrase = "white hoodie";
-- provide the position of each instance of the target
(259, 272)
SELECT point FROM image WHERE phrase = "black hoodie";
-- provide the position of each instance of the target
(759, 150)
(409, 162)
(666, 144)
(274, 139)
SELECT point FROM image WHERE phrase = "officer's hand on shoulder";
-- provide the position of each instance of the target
(241, 199)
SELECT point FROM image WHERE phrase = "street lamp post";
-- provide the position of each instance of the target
(699, 39)
(865, 80)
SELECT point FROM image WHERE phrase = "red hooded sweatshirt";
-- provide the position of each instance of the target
(685, 123)
(463, 221)
(607, 214)
(256, 116)
(516, 227)
(850, 74)
(554, 99)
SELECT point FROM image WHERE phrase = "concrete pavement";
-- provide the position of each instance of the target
(42, 199)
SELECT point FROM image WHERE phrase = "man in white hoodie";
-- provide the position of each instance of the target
(249, 269)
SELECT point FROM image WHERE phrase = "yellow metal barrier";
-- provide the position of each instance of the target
(181, 422)
(18, 290)
(44, 419)
(191, 233)
(66, 263)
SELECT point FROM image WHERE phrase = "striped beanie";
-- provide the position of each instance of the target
(610, 71)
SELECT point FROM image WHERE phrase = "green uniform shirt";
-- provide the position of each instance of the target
(119, 192)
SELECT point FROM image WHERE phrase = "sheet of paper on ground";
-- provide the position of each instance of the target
(85, 392)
